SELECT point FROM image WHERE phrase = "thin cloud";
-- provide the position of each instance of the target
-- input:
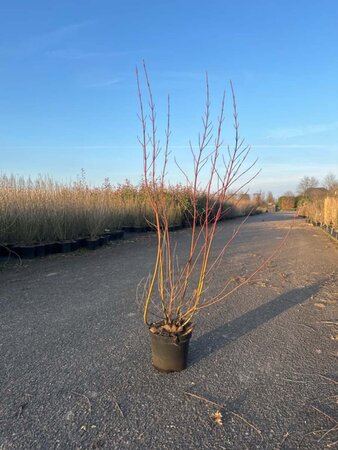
(292, 146)
(291, 132)
(184, 75)
(104, 83)
(78, 54)
(42, 41)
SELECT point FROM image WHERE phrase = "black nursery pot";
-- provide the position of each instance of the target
(103, 240)
(26, 251)
(74, 245)
(92, 244)
(129, 229)
(5, 249)
(81, 242)
(64, 247)
(40, 250)
(115, 235)
(169, 353)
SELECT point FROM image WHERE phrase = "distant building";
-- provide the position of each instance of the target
(271, 207)
(316, 192)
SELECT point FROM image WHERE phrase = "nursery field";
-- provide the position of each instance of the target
(76, 370)
(43, 211)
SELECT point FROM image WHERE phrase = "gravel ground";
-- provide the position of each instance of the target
(75, 367)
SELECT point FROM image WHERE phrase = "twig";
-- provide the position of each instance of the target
(324, 414)
(22, 407)
(204, 399)
(327, 378)
(248, 423)
(119, 408)
(307, 326)
(293, 381)
(85, 397)
(308, 434)
(328, 431)
(286, 435)
(230, 412)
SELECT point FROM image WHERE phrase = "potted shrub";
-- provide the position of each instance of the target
(178, 294)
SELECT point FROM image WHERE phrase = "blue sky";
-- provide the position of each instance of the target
(68, 97)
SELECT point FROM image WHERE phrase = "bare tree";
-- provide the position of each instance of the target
(307, 183)
(258, 198)
(270, 198)
(331, 182)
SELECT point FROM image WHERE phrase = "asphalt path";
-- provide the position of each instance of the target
(75, 367)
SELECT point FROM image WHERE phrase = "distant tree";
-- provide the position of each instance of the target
(106, 185)
(270, 198)
(244, 196)
(331, 182)
(307, 183)
(287, 201)
(258, 198)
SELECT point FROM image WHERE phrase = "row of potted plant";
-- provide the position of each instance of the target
(44, 210)
(48, 248)
(36, 250)
(332, 231)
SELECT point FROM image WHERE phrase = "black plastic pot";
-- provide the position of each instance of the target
(174, 227)
(102, 240)
(114, 235)
(82, 242)
(50, 248)
(92, 244)
(107, 237)
(140, 229)
(5, 249)
(169, 353)
(40, 250)
(74, 245)
(129, 229)
(187, 223)
(25, 251)
(64, 247)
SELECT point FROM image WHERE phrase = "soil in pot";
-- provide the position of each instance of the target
(169, 352)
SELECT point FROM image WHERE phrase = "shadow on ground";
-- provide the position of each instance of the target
(218, 338)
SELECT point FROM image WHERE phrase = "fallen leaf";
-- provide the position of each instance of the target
(217, 418)
(319, 305)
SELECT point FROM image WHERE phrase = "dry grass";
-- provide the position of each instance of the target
(43, 210)
(321, 210)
